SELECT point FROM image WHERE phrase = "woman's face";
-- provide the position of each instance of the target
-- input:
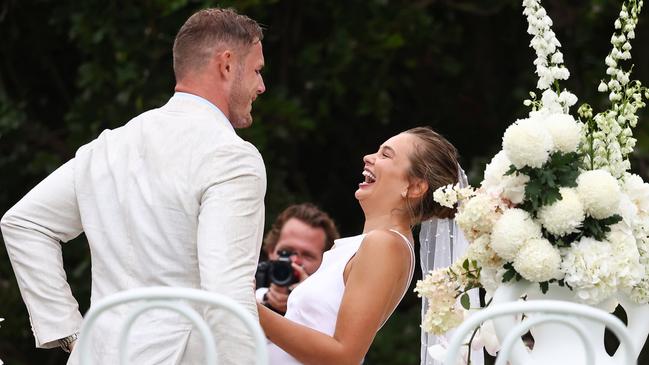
(385, 174)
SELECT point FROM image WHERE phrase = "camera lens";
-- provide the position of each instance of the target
(281, 273)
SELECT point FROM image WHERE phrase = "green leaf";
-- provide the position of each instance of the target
(508, 275)
(465, 301)
(512, 169)
(544, 286)
(465, 265)
(597, 228)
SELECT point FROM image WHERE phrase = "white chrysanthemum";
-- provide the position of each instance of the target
(511, 231)
(538, 261)
(565, 132)
(527, 143)
(589, 270)
(563, 216)
(599, 191)
(638, 192)
(510, 187)
(477, 215)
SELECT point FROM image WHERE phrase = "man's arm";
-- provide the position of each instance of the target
(32, 231)
(230, 229)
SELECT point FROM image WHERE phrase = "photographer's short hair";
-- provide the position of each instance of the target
(307, 213)
(207, 31)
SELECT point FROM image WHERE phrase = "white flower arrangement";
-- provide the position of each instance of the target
(557, 206)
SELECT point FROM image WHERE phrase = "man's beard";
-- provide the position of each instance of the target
(238, 103)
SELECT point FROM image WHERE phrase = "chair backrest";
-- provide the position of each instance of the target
(548, 311)
(173, 299)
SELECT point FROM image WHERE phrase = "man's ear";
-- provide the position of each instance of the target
(417, 189)
(225, 63)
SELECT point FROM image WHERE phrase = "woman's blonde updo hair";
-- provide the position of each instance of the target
(434, 160)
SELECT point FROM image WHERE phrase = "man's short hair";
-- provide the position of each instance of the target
(310, 215)
(208, 29)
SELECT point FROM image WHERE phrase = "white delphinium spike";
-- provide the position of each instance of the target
(611, 147)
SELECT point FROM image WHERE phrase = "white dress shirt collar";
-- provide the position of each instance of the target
(214, 108)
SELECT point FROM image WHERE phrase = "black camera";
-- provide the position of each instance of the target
(278, 272)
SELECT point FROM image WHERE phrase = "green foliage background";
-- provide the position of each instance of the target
(341, 76)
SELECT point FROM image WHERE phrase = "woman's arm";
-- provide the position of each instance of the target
(377, 277)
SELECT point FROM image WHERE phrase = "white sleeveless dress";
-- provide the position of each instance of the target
(315, 302)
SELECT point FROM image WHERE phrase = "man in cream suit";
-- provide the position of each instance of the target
(172, 198)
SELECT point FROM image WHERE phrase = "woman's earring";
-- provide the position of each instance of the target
(403, 194)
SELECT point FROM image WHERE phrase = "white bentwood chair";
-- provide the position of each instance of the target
(547, 311)
(173, 299)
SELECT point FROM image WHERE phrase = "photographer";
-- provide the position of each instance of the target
(299, 237)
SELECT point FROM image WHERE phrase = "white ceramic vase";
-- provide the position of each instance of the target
(557, 344)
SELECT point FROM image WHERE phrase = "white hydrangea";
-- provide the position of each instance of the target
(589, 270)
(510, 187)
(538, 261)
(511, 231)
(480, 250)
(440, 290)
(628, 210)
(565, 131)
(445, 196)
(638, 192)
(449, 195)
(563, 216)
(477, 215)
(599, 191)
(527, 143)
(626, 258)
(491, 279)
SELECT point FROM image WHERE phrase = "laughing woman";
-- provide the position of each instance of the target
(333, 316)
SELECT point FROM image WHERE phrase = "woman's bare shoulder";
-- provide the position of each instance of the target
(385, 244)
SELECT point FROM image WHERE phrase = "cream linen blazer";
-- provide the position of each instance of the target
(172, 198)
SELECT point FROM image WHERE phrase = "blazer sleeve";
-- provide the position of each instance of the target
(32, 231)
(230, 229)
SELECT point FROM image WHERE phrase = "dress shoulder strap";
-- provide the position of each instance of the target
(412, 265)
(404, 238)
